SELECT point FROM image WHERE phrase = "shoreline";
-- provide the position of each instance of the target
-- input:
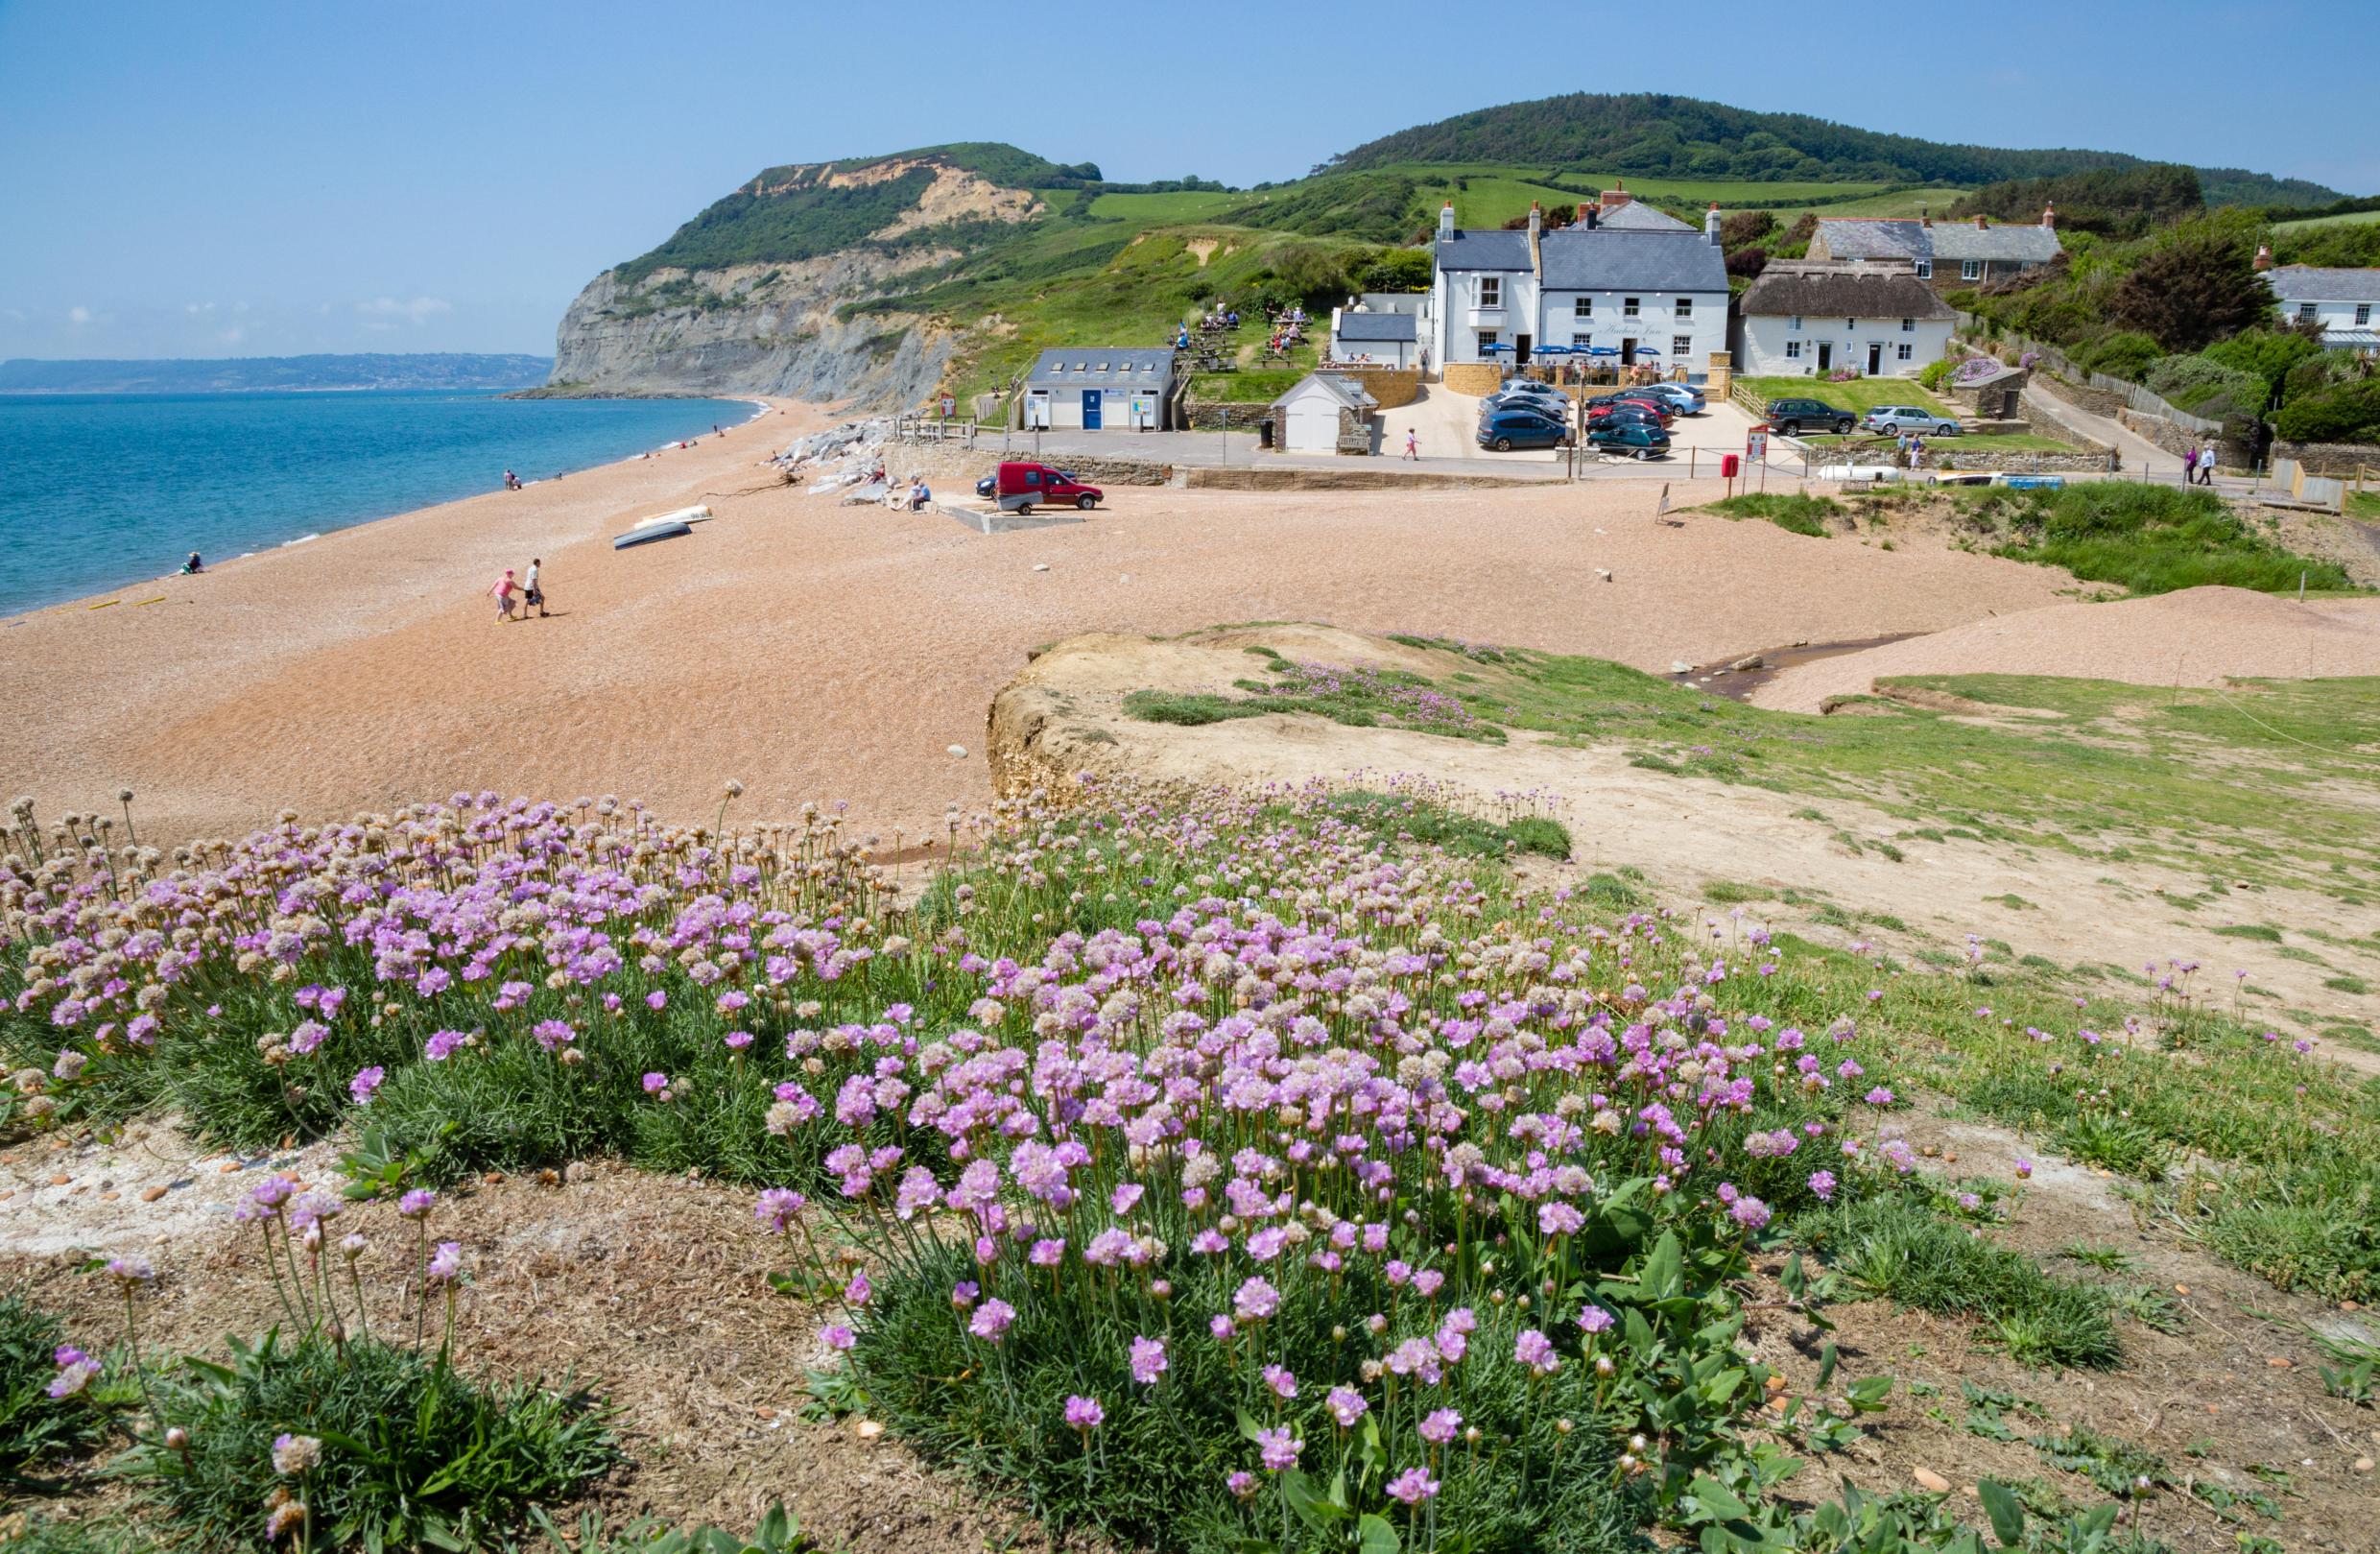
(100, 598)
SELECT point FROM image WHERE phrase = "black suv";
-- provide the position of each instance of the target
(1790, 415)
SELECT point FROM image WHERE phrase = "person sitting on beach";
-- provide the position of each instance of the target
(191, 567)
(531, 593)
(918, 494)
(503, 590)
(511, 481)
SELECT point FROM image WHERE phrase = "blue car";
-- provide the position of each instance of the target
(1505, 430)
(1685, 395)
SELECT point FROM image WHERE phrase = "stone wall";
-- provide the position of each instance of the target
(2230, 452)
(1373, 475)
(1209, 415)
(1478, 379)
(1391, 386)
(1354, 431)
(957, 468)
(2336, 459)
(1944, 455)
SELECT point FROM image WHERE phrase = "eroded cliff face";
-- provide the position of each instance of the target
(773, 329)
(752, 329)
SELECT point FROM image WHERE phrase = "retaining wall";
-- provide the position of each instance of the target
(1478, 379)
(2337, 459)
(950, 464)
(1207, 415)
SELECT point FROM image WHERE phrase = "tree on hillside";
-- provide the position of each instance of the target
(2117, 201)
(2199, 286)
(1397, 270)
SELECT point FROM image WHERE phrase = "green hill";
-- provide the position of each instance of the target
(1655, 135)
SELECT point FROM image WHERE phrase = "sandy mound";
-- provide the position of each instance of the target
(2200, 637)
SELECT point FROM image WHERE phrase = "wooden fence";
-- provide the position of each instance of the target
(933, 429)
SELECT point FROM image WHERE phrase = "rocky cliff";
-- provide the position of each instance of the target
(765, 291)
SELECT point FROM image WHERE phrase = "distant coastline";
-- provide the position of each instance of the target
(365, 372)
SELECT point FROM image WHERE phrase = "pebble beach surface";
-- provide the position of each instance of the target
(820, 652)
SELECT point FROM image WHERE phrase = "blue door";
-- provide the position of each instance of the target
(1090, 410)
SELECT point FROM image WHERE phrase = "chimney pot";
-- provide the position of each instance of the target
(2263, 257)
(2049, 214)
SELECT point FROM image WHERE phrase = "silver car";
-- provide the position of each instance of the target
(1909, 419)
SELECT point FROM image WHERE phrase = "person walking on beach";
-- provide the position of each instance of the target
(531, 593)
(1413, 445)
(503, 590)
(2206, 465)
(2190, 465)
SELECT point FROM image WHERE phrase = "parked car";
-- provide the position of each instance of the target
(1632, 437)
(1505, 430)
(1685, 396)
(1021, 487)
(1641, 415)
(1520, 397)
(1790, 416)
(1610, 403)
(1909, 419)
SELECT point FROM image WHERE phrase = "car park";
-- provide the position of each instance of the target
(1791, 417)
(1627, 414)
(1505, 430)
(1522, 395)
(1909, 419)
(1635, 439)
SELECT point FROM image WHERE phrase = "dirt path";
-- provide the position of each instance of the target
(1065, 715)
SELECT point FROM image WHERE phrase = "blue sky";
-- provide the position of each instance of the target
(251, 177)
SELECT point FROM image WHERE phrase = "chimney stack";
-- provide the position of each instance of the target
(2263, 257)
(1446, 220)
(1536, 219)
(1710, 224)
(1617, 196)
(1983, 223)
(2049, 215)
(1536, 231)
(1591, 216)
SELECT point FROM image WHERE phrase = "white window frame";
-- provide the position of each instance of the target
(2363, 314)
(1793, 350)
(2307, 312)
(1851, 327)
(1909, 326)
(1793, 321)
(1971, 268)
(1925, 269)
(1682, 308)
(1491, 291)
(1486, 338)
(1583, 307)
(1681, 347)
(1629, 307)
(1582, 338)
(1905, 352)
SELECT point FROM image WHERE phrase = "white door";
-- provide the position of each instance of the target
(1313, 428)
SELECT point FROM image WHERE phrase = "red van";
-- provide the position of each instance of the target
(1021, 487)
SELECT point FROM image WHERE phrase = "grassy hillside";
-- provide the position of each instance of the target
(1681, 136)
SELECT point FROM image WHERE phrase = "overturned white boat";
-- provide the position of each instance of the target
(666, 526)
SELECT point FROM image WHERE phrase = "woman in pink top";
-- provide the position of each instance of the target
(503, 590)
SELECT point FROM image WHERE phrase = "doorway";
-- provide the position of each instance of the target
(1875, 358)
(1825, 355)
(1090, 410)
(1628, 353)
(1520, 351)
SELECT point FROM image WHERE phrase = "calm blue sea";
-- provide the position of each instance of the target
(100, 491)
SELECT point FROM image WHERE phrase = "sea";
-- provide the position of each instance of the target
(98, 491)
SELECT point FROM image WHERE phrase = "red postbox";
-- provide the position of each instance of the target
(1730, 465)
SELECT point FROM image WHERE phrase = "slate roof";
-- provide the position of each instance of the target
(1349, 393)
(1484, 250)
(1862, 237)
(1818, 290)
(2310, 283)
(1381, 326)
(1583, 260)
(1102, 366)
(1638, 217)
